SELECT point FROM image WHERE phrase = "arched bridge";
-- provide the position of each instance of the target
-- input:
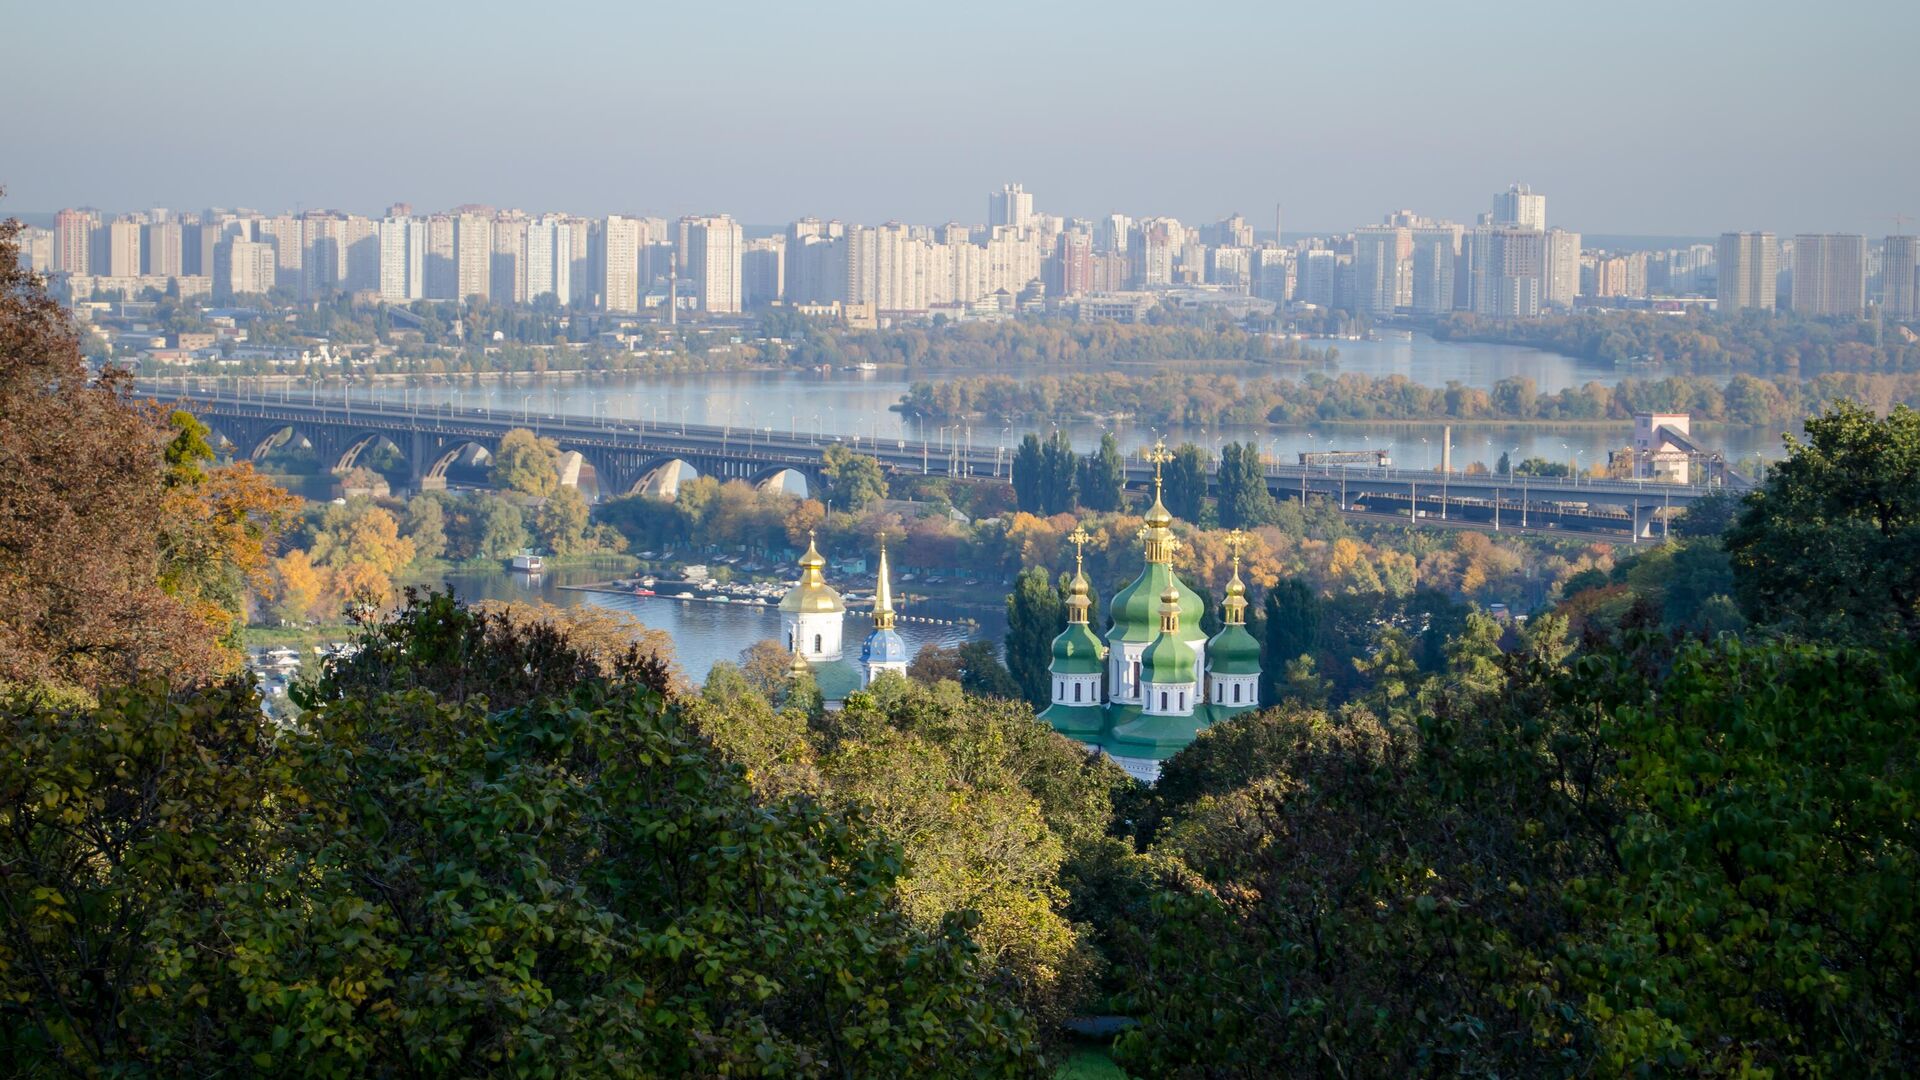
(625, 454)
(623, 457)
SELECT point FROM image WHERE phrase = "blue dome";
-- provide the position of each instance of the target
(883, 647)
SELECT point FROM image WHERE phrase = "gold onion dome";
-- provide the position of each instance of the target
(798, 667)
(812, 594)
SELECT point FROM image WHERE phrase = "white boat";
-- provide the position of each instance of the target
(529, 562)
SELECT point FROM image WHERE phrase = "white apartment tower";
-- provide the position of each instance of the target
(1748, 265)
(1829, 274)
(710, 260)
(472, 255)
(403, 254)
(1898, 271)
(1011, 205)
(1519, 206)
(549, 259)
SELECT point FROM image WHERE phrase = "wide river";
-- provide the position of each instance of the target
(862, 403)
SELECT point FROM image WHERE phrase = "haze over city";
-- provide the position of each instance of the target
(1653, 119)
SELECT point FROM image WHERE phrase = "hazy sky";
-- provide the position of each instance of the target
(1676, 117)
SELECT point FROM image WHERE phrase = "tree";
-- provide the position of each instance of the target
(476, 854)
(361, 547)
(527, 464)
(1242, 488)
(1057, 468)
(1103, 476)
(560, 523)
(853, 480)
(1830, 544)
(426, 526)
(297, 587)
(766, 665)
(1029, 476)
(1036, 613)
(934, 663)
(1292, 631)
(216, 524)
(981, 672)
(1186, 482)
(499, 528)
(83, 514)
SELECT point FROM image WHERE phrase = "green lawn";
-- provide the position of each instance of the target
(1089, 1061)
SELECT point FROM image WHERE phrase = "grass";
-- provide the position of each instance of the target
(1089, 1061)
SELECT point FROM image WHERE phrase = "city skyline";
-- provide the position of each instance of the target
(767, 119)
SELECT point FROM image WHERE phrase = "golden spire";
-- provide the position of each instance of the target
(812, 564)
(883, 594)
(1233, 610)
(1170, 610)
(1077, 600)
(1158, 532)
(798, 667)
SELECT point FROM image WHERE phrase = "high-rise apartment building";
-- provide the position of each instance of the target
(403, 259)
(1011, 205)
(440, 277)
(122, 251)
(1829, 274)
(1509, 271)
(73, 241)
(243, 267)
(1898, 272)
(473, 255)
(1748, 265)
(616, 263)
(160, 254)
(509, 273)
(1562, 283)
(710, 259)
(1434, 250)
(763, 271)
(1519, 206)
(549, 259)
(1376, 269)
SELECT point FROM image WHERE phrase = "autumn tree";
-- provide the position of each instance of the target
(527, 464)
(360, 546)
(297, 587)
(86, 515)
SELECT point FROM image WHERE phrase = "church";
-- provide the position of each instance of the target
(1157, 680)
(1140, 695)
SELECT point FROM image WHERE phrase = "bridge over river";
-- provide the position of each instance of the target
(626, 454)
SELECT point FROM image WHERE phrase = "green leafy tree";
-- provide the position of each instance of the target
(854, 480)
(1242, 488)
(499, 529)
(426, 526)
(1030, 476)
(560, 523)
(1830, 544)
(1103, 476)
(1036, 613)
(480, 853)
(1292, 628)
(981, 672)
(526, 463)
(1057, 469)
(1186, 482)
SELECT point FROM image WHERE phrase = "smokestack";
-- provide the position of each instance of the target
(1446, 448)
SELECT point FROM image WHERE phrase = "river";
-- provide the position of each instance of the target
(861, 403)
(704, 632)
